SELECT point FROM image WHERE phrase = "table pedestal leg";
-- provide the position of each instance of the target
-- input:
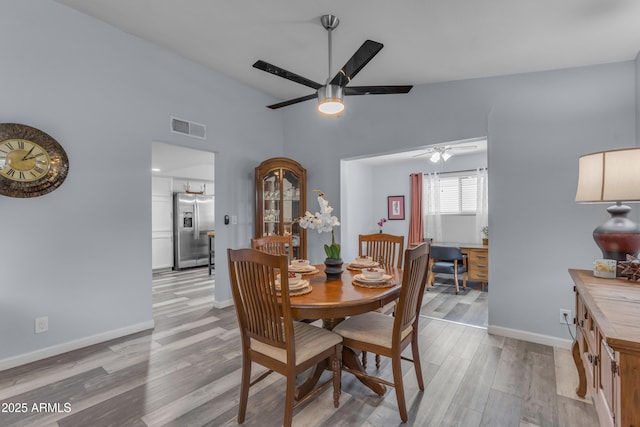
(307, 386)
(351, 360)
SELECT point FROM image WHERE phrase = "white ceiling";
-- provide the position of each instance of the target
(459, 148)
(181, 162)
(424, 41)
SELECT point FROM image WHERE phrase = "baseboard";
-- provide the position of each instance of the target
(223, 304)
(530, 337)
(55, 350)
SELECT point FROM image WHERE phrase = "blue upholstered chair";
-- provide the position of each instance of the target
(448, 260)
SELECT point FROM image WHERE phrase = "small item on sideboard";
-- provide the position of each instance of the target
(630, 268)
(605, 268)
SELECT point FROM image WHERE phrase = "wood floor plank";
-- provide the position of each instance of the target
(502, 409)
(186, 372)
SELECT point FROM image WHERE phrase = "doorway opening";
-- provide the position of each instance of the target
(182, 206)
(366, 185)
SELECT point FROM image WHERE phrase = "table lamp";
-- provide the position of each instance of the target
(612, 176)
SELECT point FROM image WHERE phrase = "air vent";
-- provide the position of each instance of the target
(184, 127)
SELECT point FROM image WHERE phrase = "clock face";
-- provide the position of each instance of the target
(22, 160)
(32, 163)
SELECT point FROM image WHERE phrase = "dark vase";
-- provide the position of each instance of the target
(333, 268)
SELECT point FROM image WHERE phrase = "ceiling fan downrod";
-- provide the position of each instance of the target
(330, 96)
(330, 23)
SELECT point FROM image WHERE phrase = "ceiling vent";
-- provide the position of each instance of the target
(184, 127)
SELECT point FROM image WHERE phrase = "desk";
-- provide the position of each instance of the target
(477, 260)
(332, 301)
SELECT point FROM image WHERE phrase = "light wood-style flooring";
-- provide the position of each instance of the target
(186, 372)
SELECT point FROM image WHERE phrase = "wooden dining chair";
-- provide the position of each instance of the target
(277, 245)
(382, 247)
(390, 335)
(386, 249)
(268, 333)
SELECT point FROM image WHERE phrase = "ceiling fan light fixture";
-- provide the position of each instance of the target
(330, 100)
(445, 156)
(435, 157)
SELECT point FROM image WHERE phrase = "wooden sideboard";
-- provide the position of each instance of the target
(607, 346)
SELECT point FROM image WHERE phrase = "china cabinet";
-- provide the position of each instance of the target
(281, 186)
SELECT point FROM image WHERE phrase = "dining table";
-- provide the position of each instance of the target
(333, 300)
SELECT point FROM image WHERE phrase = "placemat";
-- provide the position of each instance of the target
(387, 284)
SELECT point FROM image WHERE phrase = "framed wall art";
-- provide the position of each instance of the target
(395, 207)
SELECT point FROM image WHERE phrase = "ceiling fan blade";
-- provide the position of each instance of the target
(466, 147)
(281, 72)
(363, 55)
(292, 101)
(422, 154)
(376, 90)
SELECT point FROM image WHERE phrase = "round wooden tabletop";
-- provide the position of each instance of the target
(334, 299)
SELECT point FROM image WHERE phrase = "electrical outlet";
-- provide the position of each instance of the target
(42, 324)
(565, 317)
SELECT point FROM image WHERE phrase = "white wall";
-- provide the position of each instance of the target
(81, 255)
(537, 124)
(365, 188)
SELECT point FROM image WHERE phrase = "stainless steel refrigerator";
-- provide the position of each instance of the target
(193, 217)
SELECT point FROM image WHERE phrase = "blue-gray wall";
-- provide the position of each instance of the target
(82, 254)
(537, 125)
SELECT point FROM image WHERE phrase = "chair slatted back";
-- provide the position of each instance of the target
(277, 245)
(253, 284)
(386, 248)
(446, 253)
(414, 280)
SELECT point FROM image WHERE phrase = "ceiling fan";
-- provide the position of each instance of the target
(444, 152)
(330, 94)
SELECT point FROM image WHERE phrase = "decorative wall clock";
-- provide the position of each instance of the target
(32, 163)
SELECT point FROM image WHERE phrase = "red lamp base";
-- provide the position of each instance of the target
(618, 236)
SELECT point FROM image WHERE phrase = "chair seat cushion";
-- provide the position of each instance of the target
(447, 267)
(309, 341)
(388, 308)
(373, 327)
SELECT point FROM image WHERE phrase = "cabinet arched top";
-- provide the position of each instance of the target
(282, 163)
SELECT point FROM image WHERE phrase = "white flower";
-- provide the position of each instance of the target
(322, 221)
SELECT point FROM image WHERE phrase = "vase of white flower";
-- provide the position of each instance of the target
(323, 221)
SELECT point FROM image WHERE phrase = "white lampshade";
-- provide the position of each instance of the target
(435, 157)
(609, 176)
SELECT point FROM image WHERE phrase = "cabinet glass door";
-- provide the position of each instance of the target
(291, 209)
(280, 200)
(271, 209)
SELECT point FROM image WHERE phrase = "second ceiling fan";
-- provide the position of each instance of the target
(330, 94)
